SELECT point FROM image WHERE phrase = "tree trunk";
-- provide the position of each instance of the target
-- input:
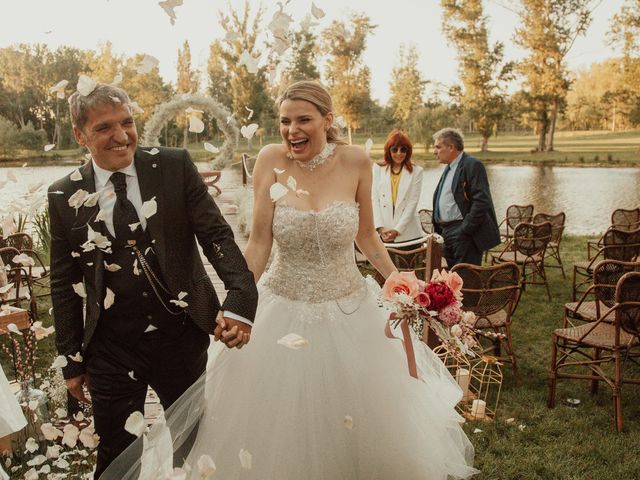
(613, 119)
(185, 136)
(542, 137)
(349, 134)
(552, 126)
(485, 144)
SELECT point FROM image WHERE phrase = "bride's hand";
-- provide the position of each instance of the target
(232, 333)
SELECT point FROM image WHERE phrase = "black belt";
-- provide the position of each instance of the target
(449, 224)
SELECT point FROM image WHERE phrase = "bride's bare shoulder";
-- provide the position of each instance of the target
(272, 156)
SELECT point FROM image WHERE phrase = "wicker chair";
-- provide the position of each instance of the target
(426, 220)
(621, 219)
(596, 344)
(414, 260)
(527, 249)
(557, 228)
(492, 293)
(515, 214)
(39, 272)
(247, 169)
(617, 244)
(17, 275)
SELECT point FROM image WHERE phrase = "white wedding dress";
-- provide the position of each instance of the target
(341, 407)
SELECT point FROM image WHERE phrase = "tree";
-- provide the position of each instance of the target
(246, 89)
(348, 79)
(303, 60)
(104, 65)
(217, 74)
(407, 86)
(188, 81)
(548, 30)
(482, 70)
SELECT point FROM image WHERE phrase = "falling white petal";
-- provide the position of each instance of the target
(149, 208)
(293, 341)
(211, 148)
(78, 198)
(148, 63)
(301, 192)
(251, 63)
(60, 362)
(181, 295)
(318, 13)
(50, 433)
(135, 108)
(86, 85)
(180, 303)
(340, 122)
(133, 226)
(206, 466)
(248, 131)
(132, 376)
(250, 112)
(291, 183)
(245, 459)
(109, 298)
(101, 216)
(112, 267)
(13, 328)
(153, 151)
(50, 146)
(348, 422)
(368, 145)
(135, 424)
(70, 435)
(278, 171)
(168, 7)
(136, 270)
(59, 87)
(24, 260)
(76, 358)
(91, 200)
(277, 191)
(195, 124)
(31, 445)
(76, 176)
(89, 438)
(79, 289)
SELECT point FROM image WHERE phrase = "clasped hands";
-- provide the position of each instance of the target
(232, 333)
(388, 235)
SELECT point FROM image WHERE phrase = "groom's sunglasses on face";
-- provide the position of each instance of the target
(398, 149)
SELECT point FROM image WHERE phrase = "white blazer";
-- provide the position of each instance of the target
(405, 218)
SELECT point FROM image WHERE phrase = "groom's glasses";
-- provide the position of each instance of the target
(399, 149)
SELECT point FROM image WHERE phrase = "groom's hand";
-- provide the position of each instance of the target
(76, 385)
(232, 333)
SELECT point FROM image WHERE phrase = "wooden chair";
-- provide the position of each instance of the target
(621, 219)
(39, 272)
(616, 244)
(17, 275)
(412, 259)
(493, 293)
(426, 220)
(612, 340)
(600, 295)
(515, 214)
(527, 249)
(557, 228)
(211, 179)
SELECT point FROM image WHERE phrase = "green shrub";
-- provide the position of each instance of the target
(30, 138)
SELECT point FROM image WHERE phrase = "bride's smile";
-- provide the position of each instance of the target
(303, 129)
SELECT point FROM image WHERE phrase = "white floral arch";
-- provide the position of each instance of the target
(178, 105)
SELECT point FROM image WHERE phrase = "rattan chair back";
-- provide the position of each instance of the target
(624, 219)
(426, 220)
(489, 289)
(606, 275)
(517, 214)
(628, 300)
(621, 245)
(410, 260)
(531, 239)
(557, 224)
(20, 241)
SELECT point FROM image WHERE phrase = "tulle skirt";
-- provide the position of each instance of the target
(340, 406)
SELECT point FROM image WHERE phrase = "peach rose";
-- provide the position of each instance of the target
(400, 282)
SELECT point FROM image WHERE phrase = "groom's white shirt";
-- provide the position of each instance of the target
(107, 202)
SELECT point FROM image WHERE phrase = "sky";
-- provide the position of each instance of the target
(142, 26)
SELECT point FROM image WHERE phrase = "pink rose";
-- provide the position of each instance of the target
(450, 315)
(423, 299)
(400, 282)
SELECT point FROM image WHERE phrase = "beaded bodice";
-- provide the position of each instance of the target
(314, 258)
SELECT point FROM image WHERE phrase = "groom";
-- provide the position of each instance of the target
(123, 249)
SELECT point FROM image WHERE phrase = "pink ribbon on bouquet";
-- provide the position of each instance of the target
(406, 343)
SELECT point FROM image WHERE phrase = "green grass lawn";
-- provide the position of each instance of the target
(563, 443)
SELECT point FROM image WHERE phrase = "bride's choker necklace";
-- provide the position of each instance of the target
(319, 159)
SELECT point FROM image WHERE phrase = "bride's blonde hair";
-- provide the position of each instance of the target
(316, 94)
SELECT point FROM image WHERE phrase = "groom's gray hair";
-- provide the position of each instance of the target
(80, 105)
(451, 136)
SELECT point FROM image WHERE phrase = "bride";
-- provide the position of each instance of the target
(319, 392)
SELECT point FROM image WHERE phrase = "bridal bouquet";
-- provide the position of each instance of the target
(436, 303)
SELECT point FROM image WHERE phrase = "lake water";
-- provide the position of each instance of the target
(586, 195)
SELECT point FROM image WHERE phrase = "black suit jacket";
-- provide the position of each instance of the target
(186, 213)
(473, 197)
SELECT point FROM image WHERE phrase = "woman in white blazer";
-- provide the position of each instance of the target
(396, 188)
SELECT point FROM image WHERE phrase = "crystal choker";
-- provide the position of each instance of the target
(319, 159)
